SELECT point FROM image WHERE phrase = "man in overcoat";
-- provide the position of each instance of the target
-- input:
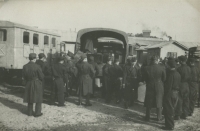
(106, 77)
(60, 78)
(193, 85)
(131, 79)
(42, 64)
(182, 108)
(33, 76)
(116, 74)
(85, 74)
(171, 89)
(154, 76)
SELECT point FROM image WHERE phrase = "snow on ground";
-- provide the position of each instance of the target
(99, 117)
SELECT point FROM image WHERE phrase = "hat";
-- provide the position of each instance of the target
(83, 56)
(91, 58)
(41, 55)
(154, 58)
(70, 54)
(172, 63)
(171, 59)
(192, 60)
(60, 58)
(183, 58)
(32, 56)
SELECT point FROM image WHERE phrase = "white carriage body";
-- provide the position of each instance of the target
(18, 41)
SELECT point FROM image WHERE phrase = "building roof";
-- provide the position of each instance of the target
(8, 24)
(165, 43)
(190, 44)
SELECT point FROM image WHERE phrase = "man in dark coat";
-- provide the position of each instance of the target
(171, 89)
(182, 108)
(41, 63)
(86, 74)
(33, 76)
(116, 74)
(131, 79)
(197, 64)
(154, 76)
(193, 85)
(95, 67)
(106, 77)
(60, 78)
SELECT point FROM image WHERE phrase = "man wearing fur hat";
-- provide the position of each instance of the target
(171, 90)
(33, 76)
(154, 76)
(182, 108)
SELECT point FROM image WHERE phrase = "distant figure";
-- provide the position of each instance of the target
(85, 74)
(193, 85)
(154, 76)
(171, 89)
(33, 76)
(106, 77)
(182, 108)
(60, 78)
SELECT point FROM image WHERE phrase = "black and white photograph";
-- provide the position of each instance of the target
(99, 65)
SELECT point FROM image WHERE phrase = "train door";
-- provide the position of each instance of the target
(46, 45)
(36, 48)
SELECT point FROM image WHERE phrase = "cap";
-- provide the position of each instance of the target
(70, 54)
(172, 63)
(91, 58)
(83, 56)
(32, 56)
(60, 58)
(41, 55)
(192, 60)
(183, 58)
(154, 57)
(133, 59)
(171, 59)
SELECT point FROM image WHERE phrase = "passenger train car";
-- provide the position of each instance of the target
(17, 41)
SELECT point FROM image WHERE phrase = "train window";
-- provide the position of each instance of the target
(46, 40)
(26, 37)
(35, 39)
(3, 35)
(53, 42)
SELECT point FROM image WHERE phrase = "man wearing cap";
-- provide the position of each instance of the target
(41, 60)
(171, 89)
(85, 74)
(43, 66)
(131, 79)
(106, 77)
(182, 108)
(60, 78)
(33, 76)
(154, 77)
(193, 85)
(116, 74)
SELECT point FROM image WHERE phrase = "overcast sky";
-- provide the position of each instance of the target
(177, 18)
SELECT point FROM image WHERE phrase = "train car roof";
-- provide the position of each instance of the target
(9, 24)
(103, 32)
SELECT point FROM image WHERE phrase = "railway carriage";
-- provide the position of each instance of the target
(18, 41)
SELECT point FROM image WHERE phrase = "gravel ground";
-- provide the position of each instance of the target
(99, 117)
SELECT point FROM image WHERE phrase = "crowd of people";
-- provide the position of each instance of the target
(171, 85)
